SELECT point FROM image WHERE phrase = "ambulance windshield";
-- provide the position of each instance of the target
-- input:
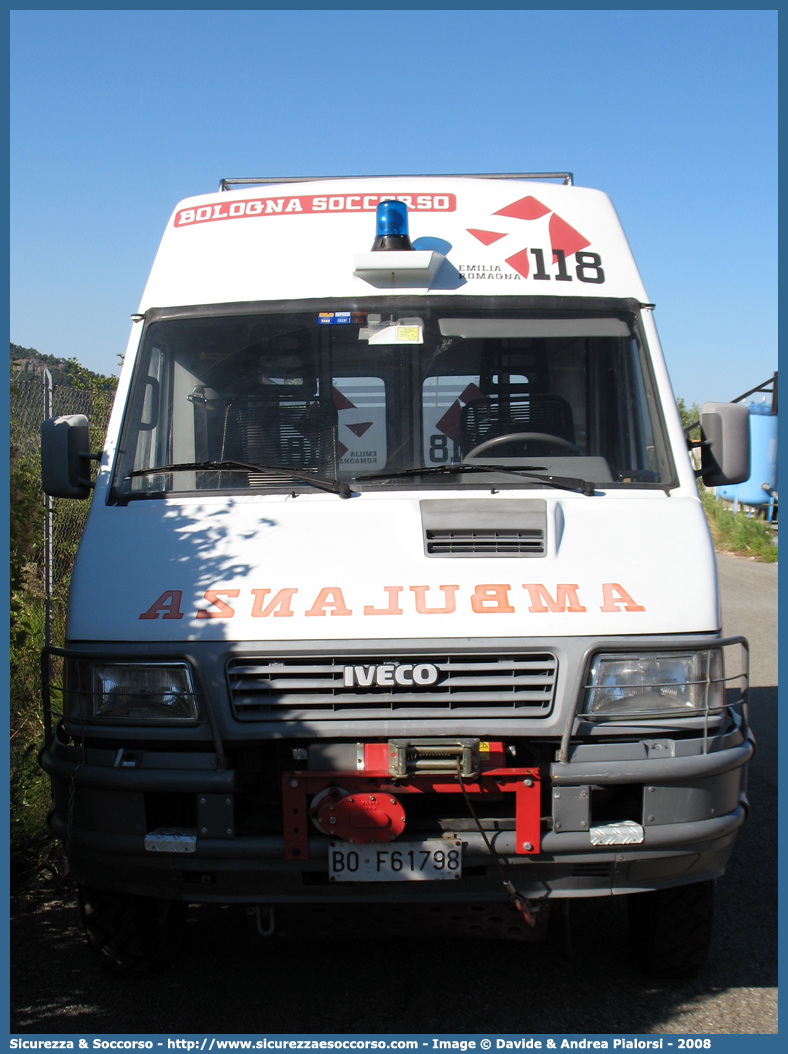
(375, 394)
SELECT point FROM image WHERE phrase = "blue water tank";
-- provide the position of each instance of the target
(763, 460)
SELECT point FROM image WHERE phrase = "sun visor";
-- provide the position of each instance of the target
(475, 328)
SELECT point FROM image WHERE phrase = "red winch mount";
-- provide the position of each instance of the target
(367, 805)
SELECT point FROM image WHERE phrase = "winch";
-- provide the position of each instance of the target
(367, 817)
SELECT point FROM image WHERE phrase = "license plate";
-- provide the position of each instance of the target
(434, 859)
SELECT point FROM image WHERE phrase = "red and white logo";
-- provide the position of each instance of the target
(309, 205)
(565, 241)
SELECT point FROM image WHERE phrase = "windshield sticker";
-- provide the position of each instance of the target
(442, 401)
(361, 421)
(488, 599)
(290, 206)
(341, 318)
(403, 332)
(334, 318)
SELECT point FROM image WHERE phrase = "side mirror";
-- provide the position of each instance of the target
(725, 443)
(65, 453)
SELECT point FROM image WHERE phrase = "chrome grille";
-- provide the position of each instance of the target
(292, 689)
(486, 542)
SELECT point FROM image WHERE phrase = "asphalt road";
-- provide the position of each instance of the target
(321, 975)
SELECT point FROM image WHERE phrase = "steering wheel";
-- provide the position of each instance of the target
(561, 446)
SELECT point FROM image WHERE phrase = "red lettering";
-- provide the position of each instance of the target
(278, 605)
(614, 594)
(393, 608)
(222, 610)
(491, 600)
(565, 598)
(168, 606)
(421, 603)
(330, 597)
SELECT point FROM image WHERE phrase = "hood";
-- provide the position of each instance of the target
(314, 567)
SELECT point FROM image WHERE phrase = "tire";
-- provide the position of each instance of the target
(129, 934)
(670, 929)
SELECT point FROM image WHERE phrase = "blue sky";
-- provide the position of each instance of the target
(116, 115)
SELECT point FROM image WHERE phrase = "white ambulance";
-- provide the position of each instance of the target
(396, 585)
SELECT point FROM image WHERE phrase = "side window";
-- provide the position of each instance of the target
(442, 401)
(150, 401)
(361, 410)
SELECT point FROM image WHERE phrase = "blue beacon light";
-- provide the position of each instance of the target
(391, 231)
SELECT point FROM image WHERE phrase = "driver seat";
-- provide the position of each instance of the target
(491, 417)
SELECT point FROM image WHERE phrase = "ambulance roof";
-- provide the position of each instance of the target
(299, 240)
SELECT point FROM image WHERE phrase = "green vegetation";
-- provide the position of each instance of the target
(31, 848)
(77, 390)
(33, 851)
(65, 372)
(689, 416)
(731, 532)
(737, 532)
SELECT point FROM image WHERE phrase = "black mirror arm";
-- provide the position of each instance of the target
(89, 457)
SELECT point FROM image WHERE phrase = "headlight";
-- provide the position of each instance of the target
(663, 684)
(142, 692)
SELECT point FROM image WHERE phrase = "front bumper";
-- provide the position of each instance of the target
(691, 794)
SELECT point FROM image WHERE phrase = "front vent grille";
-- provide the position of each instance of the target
(492, 527)
(485, 543)
(328, 688)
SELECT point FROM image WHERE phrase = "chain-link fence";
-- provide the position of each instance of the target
(48, 573)
(45, 534)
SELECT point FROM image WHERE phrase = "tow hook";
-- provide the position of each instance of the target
(257, 912)
(523, 905)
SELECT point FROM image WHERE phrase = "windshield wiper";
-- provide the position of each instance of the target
(334, 486)
(561, 482)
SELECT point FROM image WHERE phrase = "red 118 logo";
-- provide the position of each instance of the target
(565, 241)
